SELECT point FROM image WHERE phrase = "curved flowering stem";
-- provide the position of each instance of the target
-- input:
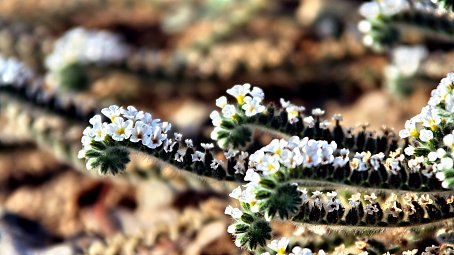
(107, 145)
(235, 123)
(273, 193)
(386, 21)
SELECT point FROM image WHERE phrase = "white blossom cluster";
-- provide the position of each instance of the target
(292, 153)
(85, 46)
(127, 124)
(13, 71)
(423, 127)
(279, 246)
(249, 101)
(373, 10)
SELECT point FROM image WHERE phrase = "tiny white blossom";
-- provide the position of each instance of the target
(207, 146)
(189, 143)
(112, 112)
(178, 137)
(131, 113)
(297, 250)
(229, 111)
(426, 135)
(239, 92)
(221, 102)
(198, 156)
(252, 106)
(215, 163)
(279, 246)
(234, 212)
(257, 93)
(120, 129)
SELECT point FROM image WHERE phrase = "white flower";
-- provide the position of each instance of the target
(99, 131)
(300, 251)
(139, 131)
(318, 112)
(228, 111)
(448, 141)
(177, 137)
(369, 10)
(364, 26)
(231, 230)
(354, 200)
(236, 193)
(132, 113)
(86, 141)
(432, 156)
(426, 135)
(279, 246)
(198, 156)
(257, 93)
(410, 252)
(148, 119)
(165, 127)
(252, 176)
(270, 165)
(221, 102)
(391, 7)
(276, 146)
(154, 138)
(168, 145)
(293, 112)
(371, 198)
(239, 92)
(112, 112)
(252, 106)
(179, 156)
(446, 163)
(248, 195)
(207, 146)
(309, 121)
(189, 143)
(371, 209)
(409, 151)
(333, 205)
(120, 129)
(215, 163)
(231, 153)
(234, 212)
(331, 195)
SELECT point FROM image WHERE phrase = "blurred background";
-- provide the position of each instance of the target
(173, 59)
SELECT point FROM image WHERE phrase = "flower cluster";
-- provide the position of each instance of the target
(292, 153)
(125, 124)
(375, 12)
(431, 133)
(84, 46)
(13, 72)
(249, 103)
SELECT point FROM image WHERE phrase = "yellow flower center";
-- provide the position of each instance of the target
(414, 133)
(120, 131)
(281, 250)
(240, 99)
